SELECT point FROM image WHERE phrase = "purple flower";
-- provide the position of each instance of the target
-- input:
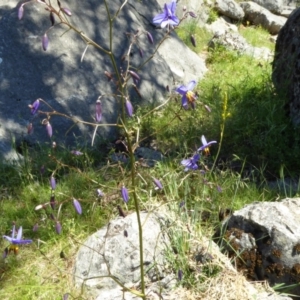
(158, 184)
(77, 206)
(49, 129)
(58, 227)
(168, 16)
(124, 193)
(35, 106)
(188, 96)
(129, 108)
(98, 115)
(219, 189)
(16, 239)
(205, 145)
(52, 183)
(52, 19)
(192, 14)
(45, 42)
(193, 40)
(191, 163)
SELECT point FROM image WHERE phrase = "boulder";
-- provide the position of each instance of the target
(258, 15)
(229, 8)
(274, 6)
(114, 250)
(286, 65)
(70, 86)
(264, 239)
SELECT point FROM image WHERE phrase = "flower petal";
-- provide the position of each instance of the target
(191, 85)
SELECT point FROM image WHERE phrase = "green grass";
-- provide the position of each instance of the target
(258, 143)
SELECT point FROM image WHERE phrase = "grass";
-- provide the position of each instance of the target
(259, 143)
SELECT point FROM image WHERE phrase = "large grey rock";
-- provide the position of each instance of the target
(286, 65)
(229, 8)
(69, 86)
(275, 6)
(264, 238)
(261, 16)
(234, 41)
(114, 250)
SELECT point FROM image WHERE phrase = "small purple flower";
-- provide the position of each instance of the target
(49, 129)
(58, 227)
(150, 37)
(98, 115)
(205, 145)
(124, 193)
(219, 189)
(21, 12)
(192, 14)
(45, 42)
(77, 206)
(141, 52)
(16, 239)
(76, 152)
(158, 184)
(129, 108)
(52, 183)
(191, 163)
(188, 96)
(35, 106)
(168, 16)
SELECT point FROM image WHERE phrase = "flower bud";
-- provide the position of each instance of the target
(29, 128)
(129, 108)
(180, 275)
(141, 53)
(124, 193)
(98, 115)
(134, 76)
(193, 40)
(58, 227)
(45, 42)
(52, 183)
(99, 193)
(66, 11)
(35, 227)
(77, 206)
(21, 12)
(192, 14)
(158, 184)
(35, 106)
(52, 201)
(52, 19)
(150, 37)
(49, 129)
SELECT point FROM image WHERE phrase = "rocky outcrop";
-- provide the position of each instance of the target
(230, 9)
(263, 17)
(264, 240)
(286, 65)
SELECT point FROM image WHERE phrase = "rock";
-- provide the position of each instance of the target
(221, 26)
(234, 41)
(264, 238)
(116, 246)
(286, 65)
(229, 8)
(258, 15)
(274, 6)
(70, 86)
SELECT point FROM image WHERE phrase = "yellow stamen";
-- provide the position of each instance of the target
(190, 96)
